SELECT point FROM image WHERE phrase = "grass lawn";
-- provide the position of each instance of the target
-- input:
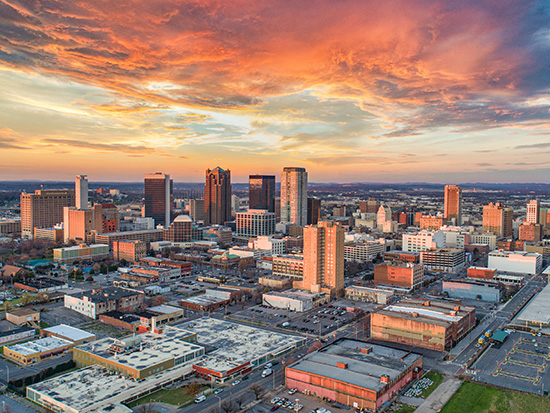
(405, 409)
(175, 397)
(476, 398)
(436, 378)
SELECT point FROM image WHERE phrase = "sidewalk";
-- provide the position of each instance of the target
(435, 401)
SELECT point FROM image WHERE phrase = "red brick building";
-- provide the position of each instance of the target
(403, 275)
(129, 250)
(482, 272)
(432, 324)
(354, 373)
(530, 232)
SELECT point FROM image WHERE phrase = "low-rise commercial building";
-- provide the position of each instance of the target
(482, 273)
(143, 355)
(515, 261)
(471, 290)
(354, 373)
(23, 316)
(294, 300)
(368, 295)
(72, 334)
(81, 252)
(49, 234)
(271, 246)
(204, 302)
(450, 260)
(402, 256)
(41, 285)
(184, 266)
(279, 283)
(37, 350)
(147, 236)
(239, 348)
(433, 324)
(149, 275)
(99, 301)
(17, 334)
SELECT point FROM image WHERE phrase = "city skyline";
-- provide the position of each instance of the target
(386, 92)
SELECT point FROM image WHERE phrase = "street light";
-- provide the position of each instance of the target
(219, 402)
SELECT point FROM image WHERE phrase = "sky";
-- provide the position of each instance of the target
(354, 91)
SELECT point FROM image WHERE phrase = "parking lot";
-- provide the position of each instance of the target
(320, 321)
(520, 363)
(307, 403)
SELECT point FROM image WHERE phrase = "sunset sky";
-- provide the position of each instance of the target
(354, 91)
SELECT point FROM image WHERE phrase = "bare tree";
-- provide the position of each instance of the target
(239, 401)
(193, 388)
(257, 390)
(145, 408)
(227, 407)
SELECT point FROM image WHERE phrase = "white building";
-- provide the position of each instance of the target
(516, 261)
(423, 241)
(455, 237)
(486, 238)
(256, 222)
(271, 246)
(364, 252)
(383, 215)
(287, 302)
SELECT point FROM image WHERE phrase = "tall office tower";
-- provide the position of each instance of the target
(533, 212)
(294, 196)
(313, 211)
(196, 209)
(453, 203)
(371, 205)
(81, 192)
(217, 196)
(43, 209)
(498, 219)
(383, 215)
(261, 192)
(159, 194)
(324, 257)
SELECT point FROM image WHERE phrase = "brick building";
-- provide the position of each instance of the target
(406, 275)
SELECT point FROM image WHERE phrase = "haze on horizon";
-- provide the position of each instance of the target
(354, 91)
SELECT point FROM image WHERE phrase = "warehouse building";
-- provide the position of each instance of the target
(294, 300)
(23, 316)
(354, 373)
(17, 334)
(433, 324)
(143, 355)
(515, 261)
(368, 295)
(536, 313)
(72, 334)
(238, 348)
(204, 302)
(471, 290)
(41, 285)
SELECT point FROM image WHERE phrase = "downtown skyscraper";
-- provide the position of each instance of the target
(294, 196)
(217, 196)
(261, 192)
(159, 194)
(453, 204)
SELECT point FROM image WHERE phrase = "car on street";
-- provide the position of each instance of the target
(218, 391)
(200, 399)
(236, 382)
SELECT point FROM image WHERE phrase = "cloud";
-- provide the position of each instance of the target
(9, 139)
(142, 150)
(534, 145)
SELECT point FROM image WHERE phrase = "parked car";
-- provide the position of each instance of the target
(200, 399)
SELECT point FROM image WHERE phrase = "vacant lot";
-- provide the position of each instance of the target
(475, 398)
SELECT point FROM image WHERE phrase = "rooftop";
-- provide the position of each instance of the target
(538, 310)
(164, 309)
(145, 350)
(236, 344)
(40, 346)
(363, 369)
(204, 299)
(105, 294)
(70, 333)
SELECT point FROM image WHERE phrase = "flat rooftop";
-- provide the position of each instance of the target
(70, 333)
(164, 309)
(436, 311)
(538, 310)
(105, 294)
(203, 299)
(148, 350)
(40, 346)
(363, 369)
(236, 344)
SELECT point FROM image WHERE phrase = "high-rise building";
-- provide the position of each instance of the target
(453, 203)
(383, 215)
(256, 222)
(533, 212)
(498, 219)
(182, 229)
(313, 211)
(261, 192)
(81, 192)
(158, 198)
(43, 209)
(196, 209)
(217, 196)
(369, 206)
(78, 224)
(294, 196)
(323, 258)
